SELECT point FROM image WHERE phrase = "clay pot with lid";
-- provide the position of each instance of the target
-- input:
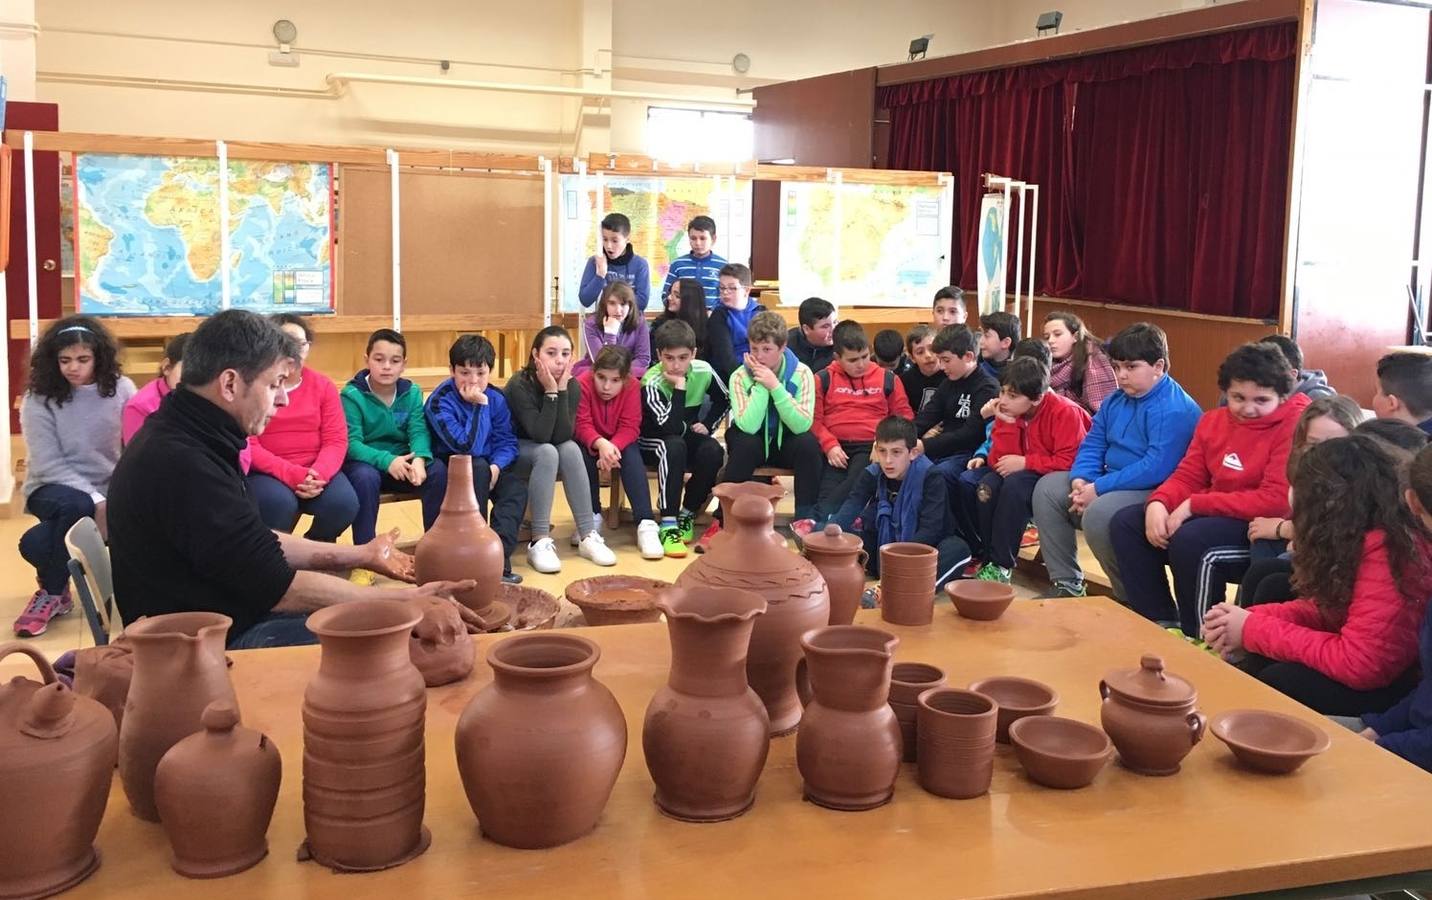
(907, 583)
(1149, 714)
(439, 645)
(841, 559)
(461, 545)
(57, 754)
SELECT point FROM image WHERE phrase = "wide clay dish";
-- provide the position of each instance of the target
(1058, 752)
(533, 609)
(1268, 741)
(616, 599)
(1017, 698)
(983, 601)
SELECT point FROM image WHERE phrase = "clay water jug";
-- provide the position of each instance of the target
(179, 668)
(796, 601)
(57, 753)
(539, 749)
(705, 733)
(439, 645)
(727, 492)
(1149, 714)
(461, 545)
(841, 559)
(364, 776)
(848, 749)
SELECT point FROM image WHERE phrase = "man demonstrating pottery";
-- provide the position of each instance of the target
(185, 535)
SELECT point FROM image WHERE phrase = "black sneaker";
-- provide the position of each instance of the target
(511, 578)
(1064, 589)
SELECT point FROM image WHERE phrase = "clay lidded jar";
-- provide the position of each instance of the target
(1149, 714)
(795, 595)
(364, 776)
(728, 492)
(841, 559)
(216, 791)
(907, 583)
(908, 680)
(179, 669)
(848, 748)
(439, 644)
(461, 545)
(705, 736)
(539, 749)
(103, 673)
(57, 754)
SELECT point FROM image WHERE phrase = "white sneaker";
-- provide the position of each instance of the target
(542, 556)
(648, 540)
(576, 539)
(594, 548)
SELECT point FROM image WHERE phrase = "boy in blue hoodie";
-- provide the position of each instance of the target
(1137, 439)
(615, 261)
(703, 263)
(467, 415)
(726, 340)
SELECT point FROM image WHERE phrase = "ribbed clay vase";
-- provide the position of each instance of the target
(57, 753)
(907, 583)
(705, 736)
(363, 713)
(848, 748)
(439, 645)
(795, 595)
(461, 545)
(841, 559)
(728, 492)
(539, 749)
(179, 668)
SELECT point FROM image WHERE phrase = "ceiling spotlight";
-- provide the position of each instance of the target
(918, 47)
(1048, 22)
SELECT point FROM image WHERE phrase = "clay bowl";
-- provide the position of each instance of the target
(532, 609)
(1017, 698)
(1058, 752)
(905, 558)
(1268, 741)
(616, 599)
(984, 601)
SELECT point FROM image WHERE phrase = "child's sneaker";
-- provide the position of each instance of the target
(801, 529)
(595, 549)
(870, 598)
(1064, 589)
(671, 543)
(687, 523)
(576, 539)
(542, 556)
(648, 540)
(39, 611)
(711, 531)
(972, 569)
(1031, 536)
(992, 572)
(511, 578)
(361, 577)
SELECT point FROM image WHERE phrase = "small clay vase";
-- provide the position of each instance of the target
(956, 737)
(216, 791)
(848, 748)
(907, 583)
(179, 669)
(1149, 714)
(57, 755)
(104, 673)
(705, 732)
(796, 601)
(539, 749)
(439, 645)
(841, 559)
(908, 680)
(460, 545)
(728, 492)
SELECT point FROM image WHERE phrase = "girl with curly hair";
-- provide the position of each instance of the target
(1080, 369)
(1348, 645)
(70, 418)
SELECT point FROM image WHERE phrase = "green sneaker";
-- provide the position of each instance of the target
(671, 542)
(686, 523)
(992, 572)
(1064, 589)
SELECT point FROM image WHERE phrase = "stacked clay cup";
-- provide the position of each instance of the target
(908, 681)
(955, 734)
(907, 583)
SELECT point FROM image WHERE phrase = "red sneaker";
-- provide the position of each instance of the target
(39, 611)
(1030, 538)
(972, 569)
(703, 543)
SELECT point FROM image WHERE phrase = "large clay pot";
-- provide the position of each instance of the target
(539, 749)
(363, 713)
(795, 595)
(1149, 714)
(706, 732)
(179, 668)
(57, 754)
(841, 559)
(216, 791)
(907, 583)
(728, 492)
(104, 673)
(439, 645)
(848, 748)
(460, 545)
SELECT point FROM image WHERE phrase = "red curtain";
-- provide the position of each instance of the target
(1163, 170)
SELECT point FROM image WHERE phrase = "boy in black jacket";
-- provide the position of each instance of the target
(957, 404)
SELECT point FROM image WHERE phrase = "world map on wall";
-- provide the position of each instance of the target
(148, 242)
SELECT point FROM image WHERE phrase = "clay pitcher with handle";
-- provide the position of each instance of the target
(461, 545)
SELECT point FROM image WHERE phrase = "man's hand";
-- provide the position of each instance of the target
(495, 472)
(1009, 464)
(384, 558)
(837, 457)
(447, 590)
(417, 471)
(401, 467)
(599, 264)
(101, 519)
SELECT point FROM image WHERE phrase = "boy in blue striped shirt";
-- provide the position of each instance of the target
(701, 263)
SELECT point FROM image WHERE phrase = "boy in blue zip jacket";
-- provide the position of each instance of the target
(467, 415)
(615, 261)
(702, 263)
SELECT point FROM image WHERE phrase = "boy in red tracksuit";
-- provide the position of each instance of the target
(1036, 431)
(852, 396)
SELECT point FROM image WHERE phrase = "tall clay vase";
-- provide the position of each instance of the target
(461, 545)
(841, 559)
(848, 748)
(539, 749)
(705, 734)
(57, 753)
(179, 668)
(216, 791)
(363, 713)
(796, 601)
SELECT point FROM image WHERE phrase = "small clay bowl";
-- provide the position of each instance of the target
(1268, 741)
(616, 599)
(1058, 752)
(984, 601)
(533, 609)
(1017, 698)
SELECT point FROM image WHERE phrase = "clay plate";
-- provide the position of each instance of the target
(616, 599)
(1017, 698)
(1268, 741)
(984, 601)
(1058, 752)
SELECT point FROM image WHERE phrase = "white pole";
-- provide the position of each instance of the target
(7, 478)
(32, 282)
(947, 224)
(225, 299)
(1004, 302)
(397, 240)
(1019, 257)
(1033, 242)
(546, 239)
(838, 185)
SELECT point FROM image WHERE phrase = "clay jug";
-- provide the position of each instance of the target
(460, 545)
(1149, 714)
(363, 714)
(216, 791)
(848, 748)
(705, 733)
(439, 645)
(841, 559)
(795, 595)
(540, 747)
(57, 753)
(179, 668)
(104, 673)
(727, 492)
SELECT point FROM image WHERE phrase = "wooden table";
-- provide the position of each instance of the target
(1357, 812)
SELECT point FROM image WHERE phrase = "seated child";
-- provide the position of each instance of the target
(955, 408)
(608, 425)
(999, 331)
(726, 331)
(615, 261)
(1398, 434)
(948, 308)
(146, 400)
(888, 348)
(616, 323)
(702, 264)
(1404, 389)
(1079, 370)
(1313, 382)
(685, 301)
(921, 372)
(811, 340)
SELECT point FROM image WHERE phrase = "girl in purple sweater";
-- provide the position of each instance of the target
(616, 322)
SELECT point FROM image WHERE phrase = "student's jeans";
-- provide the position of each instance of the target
(960, 486)
(275, 630)
(333, 510)
(836, 484)
(1323, 694)
(58, 507)
(1205, 554)
(502, 504)
(674, 456)
(633, 476)
(368, 483)
(1058, 543)
(539, 465)
(798, 452)
(1002, 505)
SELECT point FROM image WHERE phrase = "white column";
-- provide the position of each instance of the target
(225, 298)
(397, 240)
